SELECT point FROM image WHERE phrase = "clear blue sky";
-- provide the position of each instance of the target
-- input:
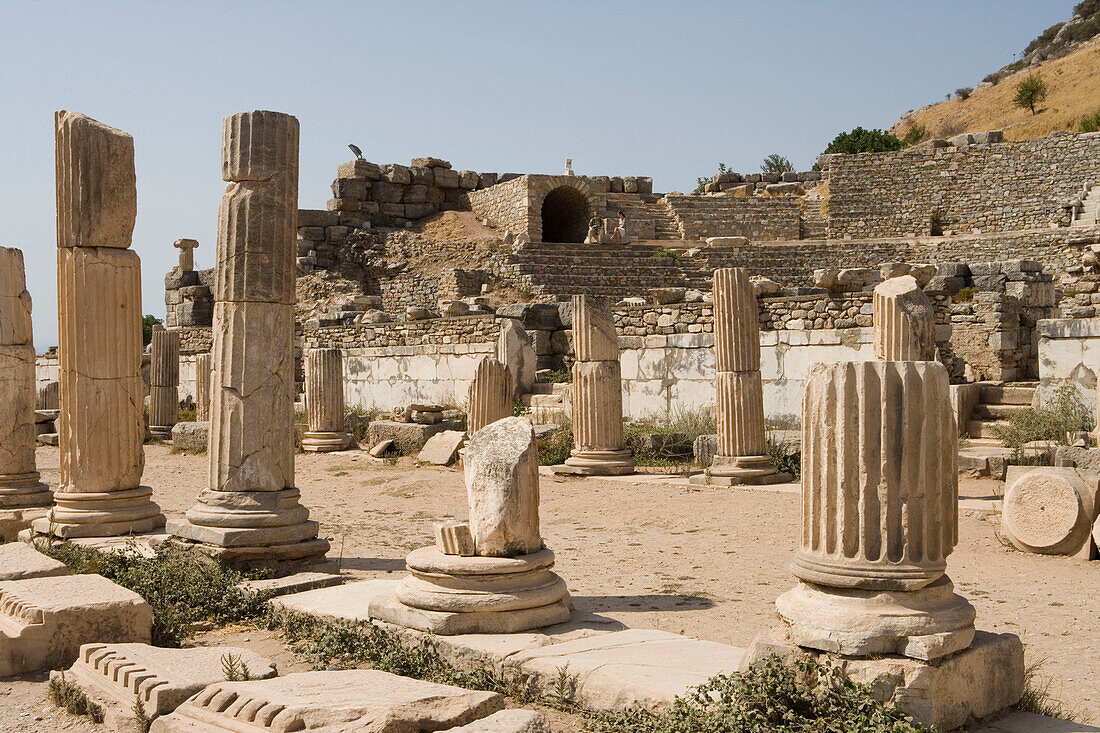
(665, 89)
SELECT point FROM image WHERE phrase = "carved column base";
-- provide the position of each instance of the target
(451, 594)
(324, 442)
(598, 462)
(101, 514)
(23, 490)
(923, 624)
(737, 470)
(251, 528)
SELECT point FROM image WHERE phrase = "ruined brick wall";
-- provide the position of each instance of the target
(760, 218)
(504, 204)
(991, 187)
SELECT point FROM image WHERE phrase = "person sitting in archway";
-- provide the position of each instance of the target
(619, 236)
(594, 226)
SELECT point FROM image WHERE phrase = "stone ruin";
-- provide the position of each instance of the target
(493, 574)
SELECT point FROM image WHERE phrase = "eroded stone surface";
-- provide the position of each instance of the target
(117, 675)
(490, 395)
(508, 721)
(19, 560)
(330, 702)
(515, 351)
(502, 486)
(442, 448)
(44, 621)
(1050, 510)
(904, 321)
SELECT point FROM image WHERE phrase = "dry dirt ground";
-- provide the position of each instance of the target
(706, 562)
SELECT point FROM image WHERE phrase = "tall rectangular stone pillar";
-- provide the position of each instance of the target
(250, 514)
(23, 496)
(101, 427)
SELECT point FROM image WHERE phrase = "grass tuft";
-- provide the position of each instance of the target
(65, 694)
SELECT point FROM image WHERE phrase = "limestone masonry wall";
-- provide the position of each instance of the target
(760, 218)
(987, 187)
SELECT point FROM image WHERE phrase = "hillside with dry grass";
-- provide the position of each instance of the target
(1073, 84)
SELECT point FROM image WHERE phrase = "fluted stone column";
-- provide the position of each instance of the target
(324, 372)
(490, 395)
(101, 427)
(23, 496)
(879, 513)
(904, 321)
(164, 380)
(203, 375)
(741, 456)
(250, 513)
(599, 447)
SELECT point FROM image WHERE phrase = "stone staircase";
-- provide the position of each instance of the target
(1089, 213)
(549, 402)
(814, 224)
(649, 214)
(996, 403)
(557, 271)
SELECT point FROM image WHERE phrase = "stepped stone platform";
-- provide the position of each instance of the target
(117, 676)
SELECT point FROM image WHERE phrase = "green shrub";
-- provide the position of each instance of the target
(1089, 123)
(1030, 91)
(182, 586)
(346, 644)
(701, 183)
(776, 163)
(555, 448)
(1083, 31)
(785, 457)
(864, 141)
(1044, 38)
(558, 376)
(769, 697)
(666, 253)
(914, 134)
(65, 694)
(147, 323)
(1055, 423)
(964, 92)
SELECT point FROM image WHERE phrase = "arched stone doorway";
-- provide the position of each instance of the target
(565, 212)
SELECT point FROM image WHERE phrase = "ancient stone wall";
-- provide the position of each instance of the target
(505, 204)
(990, 187)
(760, 218)
(1069, 353)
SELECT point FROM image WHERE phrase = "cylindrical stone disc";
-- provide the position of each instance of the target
(1041, 510)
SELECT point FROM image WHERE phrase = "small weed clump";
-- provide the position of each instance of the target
(141, 718)
(965, 295)
(1037, 698)
(183, 587)
(555, 448)
(65, 694)
(1056, 423)
(1090, 122)
(348, 644)
(785, 457)
(770, 697)
(557, 376)
(667, 254)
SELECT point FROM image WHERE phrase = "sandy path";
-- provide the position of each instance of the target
(704, 562)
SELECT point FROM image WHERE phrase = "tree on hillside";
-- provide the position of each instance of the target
(1030, 91)
(914, 134)
(776, 163)
(864, 141)
(147, 324)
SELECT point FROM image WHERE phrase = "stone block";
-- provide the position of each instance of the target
(330, 702)
(454, 538)
(116, 676)
(625, 668)
(44, 621)
(359, 168)
(442, 448)
(508, 721)
(190, 437)
(985, 678)
(468, 180)
(502, 484)
(408, 438)
(431, 163)
(316, 218)
(446, 178)
(350, 188)
(395, 173)
(19, 561)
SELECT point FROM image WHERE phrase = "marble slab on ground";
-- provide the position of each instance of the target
(1020, 722)
(117, 675)
(19, 560)
(507, 721)
(330, 702)
(294, 583)
(44, 621)
(352, 601)
(644, 667)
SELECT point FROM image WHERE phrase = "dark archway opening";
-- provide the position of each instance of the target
(565, 215)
